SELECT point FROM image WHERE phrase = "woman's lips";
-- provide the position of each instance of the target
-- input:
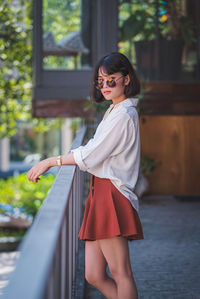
(106, 92)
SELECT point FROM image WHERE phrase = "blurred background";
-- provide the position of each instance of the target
(48, 49)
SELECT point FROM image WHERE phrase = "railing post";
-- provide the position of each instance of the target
(74, 227)
(64, 259)
(70, 246)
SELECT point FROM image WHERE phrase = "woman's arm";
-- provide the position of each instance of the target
(110, 141)
(44, 165)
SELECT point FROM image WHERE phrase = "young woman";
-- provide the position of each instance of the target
(112, 157)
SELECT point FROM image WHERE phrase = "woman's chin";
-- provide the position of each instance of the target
(107, 97)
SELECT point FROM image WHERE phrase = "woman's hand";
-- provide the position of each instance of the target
(44, 165)
(38, 169)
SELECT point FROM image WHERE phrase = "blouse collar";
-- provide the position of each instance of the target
(127, 103)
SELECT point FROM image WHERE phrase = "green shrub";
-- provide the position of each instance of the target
(19, 192)
(12, 233)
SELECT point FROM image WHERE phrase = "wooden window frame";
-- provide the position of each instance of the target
(57, 90)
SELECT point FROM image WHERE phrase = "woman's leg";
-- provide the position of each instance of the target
(95, 270)
(116, 253)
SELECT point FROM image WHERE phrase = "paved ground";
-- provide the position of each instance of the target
(7, 265)
(166, 264)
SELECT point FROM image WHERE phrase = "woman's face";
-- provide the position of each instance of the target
(113, 93)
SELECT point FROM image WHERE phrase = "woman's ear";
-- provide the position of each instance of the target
(127, 80)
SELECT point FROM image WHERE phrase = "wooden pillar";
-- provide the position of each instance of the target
(86, 29)
(66, 136)
(4, 154)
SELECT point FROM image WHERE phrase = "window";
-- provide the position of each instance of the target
(62, 77)
(161, 38)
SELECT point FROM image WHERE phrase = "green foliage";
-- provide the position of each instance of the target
(16, 69)
(139, 25)
(138, 21)
(61, 17)
(15, 60)
(19, 192)
(12, 233)
(147, 165)
(55, 14)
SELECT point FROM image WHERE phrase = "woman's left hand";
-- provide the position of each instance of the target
(38, 169)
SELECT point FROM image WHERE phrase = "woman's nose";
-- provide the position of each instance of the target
(105, 83)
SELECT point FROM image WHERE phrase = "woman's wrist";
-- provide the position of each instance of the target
(64, 160)
(52, 161)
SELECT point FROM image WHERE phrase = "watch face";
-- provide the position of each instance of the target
(58, 161)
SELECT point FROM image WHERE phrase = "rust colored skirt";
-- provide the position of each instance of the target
(108, 213)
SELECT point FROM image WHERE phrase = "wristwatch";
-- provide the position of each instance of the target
(58, 161)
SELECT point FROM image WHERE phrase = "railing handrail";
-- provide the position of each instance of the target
(29, 279)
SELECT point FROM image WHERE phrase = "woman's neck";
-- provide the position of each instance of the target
(118, 100)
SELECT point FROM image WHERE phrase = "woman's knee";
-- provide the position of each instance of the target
(120, 274)
(89, 276)
(93, 277)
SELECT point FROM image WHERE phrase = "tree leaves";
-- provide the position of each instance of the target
(16, 69)
(18, 192)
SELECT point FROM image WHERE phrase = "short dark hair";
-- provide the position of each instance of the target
(113, 63)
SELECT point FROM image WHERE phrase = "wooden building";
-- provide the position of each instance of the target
(171, 107)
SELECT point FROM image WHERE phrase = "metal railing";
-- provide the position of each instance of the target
(47, 263)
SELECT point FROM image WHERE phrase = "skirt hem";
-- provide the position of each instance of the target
(127, 236)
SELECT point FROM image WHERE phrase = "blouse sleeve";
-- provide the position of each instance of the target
(111, 141)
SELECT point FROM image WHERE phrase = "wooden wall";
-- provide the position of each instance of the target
(174, 143)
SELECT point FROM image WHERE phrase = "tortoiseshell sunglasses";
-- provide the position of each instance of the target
(110, 82)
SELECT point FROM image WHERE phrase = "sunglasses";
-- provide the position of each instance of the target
(110, 82)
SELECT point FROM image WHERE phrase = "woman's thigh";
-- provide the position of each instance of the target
(95, 262)
(116, 252)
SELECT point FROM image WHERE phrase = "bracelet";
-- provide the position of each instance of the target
(58, 161)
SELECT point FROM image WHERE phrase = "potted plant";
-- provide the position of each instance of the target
(159, 33)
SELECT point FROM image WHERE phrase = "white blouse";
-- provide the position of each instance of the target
(114, 151)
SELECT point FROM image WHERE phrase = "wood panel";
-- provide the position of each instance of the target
(60, 108)
(160, 98)
(174, 143)
(171, 98)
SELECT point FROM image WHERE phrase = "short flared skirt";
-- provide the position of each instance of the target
(108, 213)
